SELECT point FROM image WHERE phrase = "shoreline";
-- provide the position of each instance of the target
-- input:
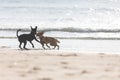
(57, 65)
(72, 38)
(72, 45)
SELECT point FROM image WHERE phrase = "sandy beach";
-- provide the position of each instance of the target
(18, 64)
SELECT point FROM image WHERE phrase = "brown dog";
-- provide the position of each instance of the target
(48, 40)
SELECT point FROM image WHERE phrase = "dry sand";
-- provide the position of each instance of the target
(57, 65)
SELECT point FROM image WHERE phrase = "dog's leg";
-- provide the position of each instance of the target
(54, 47)
(43, 45)
(58, 47)
(37, 40)
(20, 45)
(25, 45)
(48, 46)
(31, 44)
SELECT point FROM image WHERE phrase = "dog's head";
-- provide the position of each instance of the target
(33, 30)
(40, 34)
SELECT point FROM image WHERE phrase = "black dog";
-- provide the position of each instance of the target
(27, 37)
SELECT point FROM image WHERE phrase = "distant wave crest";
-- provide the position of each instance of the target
(71, 29)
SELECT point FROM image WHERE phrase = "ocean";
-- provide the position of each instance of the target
(82, 21)
(95, 19)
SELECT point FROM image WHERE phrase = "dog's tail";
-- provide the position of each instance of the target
(17, 32)
(57, 41)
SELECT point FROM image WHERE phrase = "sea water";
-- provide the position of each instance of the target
(90, 14)
(86, 18)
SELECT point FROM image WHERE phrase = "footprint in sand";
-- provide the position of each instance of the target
(108, 70)
(69, 74)
(84, 72)
(67, 55)
(36, 68)
(33, 70)
(44, 78)
(22, 75)
(64, 63)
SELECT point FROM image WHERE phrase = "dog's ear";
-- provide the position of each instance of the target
(42, 32)
(31, 27)
(35, 27)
